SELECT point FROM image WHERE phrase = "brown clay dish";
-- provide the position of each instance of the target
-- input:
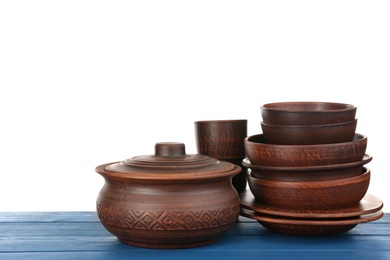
(310, 227)
(369, 204)
(311, 195)
(221, 138)
(309, 134)
(261, 153)
(307, 113)
(308, 173)
(169, 199)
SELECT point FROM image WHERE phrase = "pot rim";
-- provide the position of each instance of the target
(101, 169)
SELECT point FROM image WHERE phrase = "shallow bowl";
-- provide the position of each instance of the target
(309, 134)
(308, 173)
(307, 113)
(308, 230)
(261, 153)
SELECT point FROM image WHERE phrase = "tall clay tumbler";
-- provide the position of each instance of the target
(224, 140)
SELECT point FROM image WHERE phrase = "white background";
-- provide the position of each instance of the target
(84, 83)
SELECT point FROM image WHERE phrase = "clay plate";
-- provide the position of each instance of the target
(310, 227)
(369, 204)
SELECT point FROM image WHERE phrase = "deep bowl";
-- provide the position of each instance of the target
(307, 113)
(309, 134)
(261, 153)
(327, 194)
(308, 173)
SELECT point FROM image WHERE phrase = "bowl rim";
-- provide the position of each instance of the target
(353, 122)
(317, 168)
(356, 139)
(365, 176)
(269, 107)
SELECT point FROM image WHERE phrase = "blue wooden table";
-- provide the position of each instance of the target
(80, 235)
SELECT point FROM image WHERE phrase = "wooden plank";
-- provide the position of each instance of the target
(39, 229)
(228, 242)
(83, 228)
(69, 216)
(190, 254)
(67, 235)
(91, 216)
(58, 229)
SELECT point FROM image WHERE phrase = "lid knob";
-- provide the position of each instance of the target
(169, 149)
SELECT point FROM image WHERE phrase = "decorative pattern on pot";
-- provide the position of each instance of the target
(169, 199)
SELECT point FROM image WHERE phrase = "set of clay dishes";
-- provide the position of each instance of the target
(306, 170)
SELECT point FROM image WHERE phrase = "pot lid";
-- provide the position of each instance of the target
(169, 162)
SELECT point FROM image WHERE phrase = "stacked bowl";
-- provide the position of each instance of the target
(306, 171)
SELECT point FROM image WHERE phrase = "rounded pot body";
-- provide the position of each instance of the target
(167, 213)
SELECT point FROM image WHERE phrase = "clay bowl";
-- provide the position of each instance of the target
(307, 113)
(308, 230)
(261, 153)
(308, 173)
(327, 194)
(309, 134)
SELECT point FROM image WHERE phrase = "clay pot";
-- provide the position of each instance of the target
(239, 180)
(169, 199)
(307, 113)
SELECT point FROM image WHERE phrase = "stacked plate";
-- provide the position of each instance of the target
(311, 222)
(306, 171)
